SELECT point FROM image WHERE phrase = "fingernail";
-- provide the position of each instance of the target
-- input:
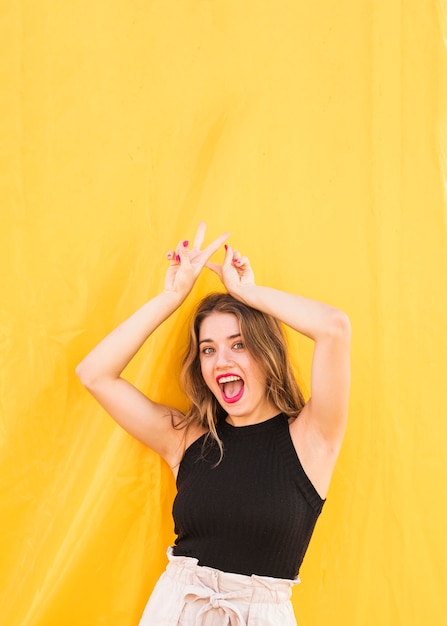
(177, 258)
(185, 244)
(226, 247)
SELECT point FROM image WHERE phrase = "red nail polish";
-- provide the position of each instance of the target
(185, 244)
(177, 258)
(226, 247)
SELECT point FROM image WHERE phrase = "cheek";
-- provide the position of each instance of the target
(260, 376)
(205, 369)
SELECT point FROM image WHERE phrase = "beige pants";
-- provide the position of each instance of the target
(190, 595)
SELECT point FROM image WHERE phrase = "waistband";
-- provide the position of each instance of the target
(213, 584)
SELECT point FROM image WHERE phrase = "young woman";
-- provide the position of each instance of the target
(253, 461)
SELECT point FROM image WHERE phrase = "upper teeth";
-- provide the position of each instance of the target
(228, 379)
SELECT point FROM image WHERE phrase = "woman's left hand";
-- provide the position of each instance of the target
(235, 272)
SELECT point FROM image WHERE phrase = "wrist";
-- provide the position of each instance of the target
(173, 298)
(246, 294)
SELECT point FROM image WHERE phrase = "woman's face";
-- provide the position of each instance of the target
(234, 376)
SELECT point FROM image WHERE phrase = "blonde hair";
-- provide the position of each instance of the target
(264, 339)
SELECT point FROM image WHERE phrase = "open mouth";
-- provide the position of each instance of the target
(231, 387)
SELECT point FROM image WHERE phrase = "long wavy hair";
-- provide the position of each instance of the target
(264, 339)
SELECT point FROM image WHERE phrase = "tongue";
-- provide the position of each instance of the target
(231, 390)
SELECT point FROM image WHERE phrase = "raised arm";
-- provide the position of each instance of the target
(319, 430)
(100, 371)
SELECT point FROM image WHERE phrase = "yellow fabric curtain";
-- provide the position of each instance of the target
(316, 133)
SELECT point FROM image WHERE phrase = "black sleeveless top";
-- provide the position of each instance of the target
(254, 512)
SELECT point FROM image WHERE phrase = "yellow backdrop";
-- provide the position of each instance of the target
(316, 133)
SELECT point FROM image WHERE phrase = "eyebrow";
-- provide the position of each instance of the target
(211, 341)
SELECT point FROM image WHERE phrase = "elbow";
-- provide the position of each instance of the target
(81, 373)
(93, 377)
(85, 375)
(339, 326)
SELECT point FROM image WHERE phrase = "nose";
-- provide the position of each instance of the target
(223, 358)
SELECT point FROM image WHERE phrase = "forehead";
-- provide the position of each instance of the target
(218, 325)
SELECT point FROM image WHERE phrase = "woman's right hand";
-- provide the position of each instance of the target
(186, 264)
(101, 370)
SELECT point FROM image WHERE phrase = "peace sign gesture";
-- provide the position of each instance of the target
(187, 263)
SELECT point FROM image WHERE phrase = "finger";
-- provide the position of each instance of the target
(182, 245)
(228, 255)
(241, 261)
(200, 236)
(171, 257)
(236, 258)
(215, 267)
(181, 252)
(214, 245)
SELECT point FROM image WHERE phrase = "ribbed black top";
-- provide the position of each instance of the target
(254, 513)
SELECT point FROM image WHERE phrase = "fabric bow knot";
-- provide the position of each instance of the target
(215, 601)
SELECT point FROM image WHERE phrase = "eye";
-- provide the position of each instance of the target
(207, 350)
(238, 345)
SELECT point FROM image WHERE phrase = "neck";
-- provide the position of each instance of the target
(254, 418)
